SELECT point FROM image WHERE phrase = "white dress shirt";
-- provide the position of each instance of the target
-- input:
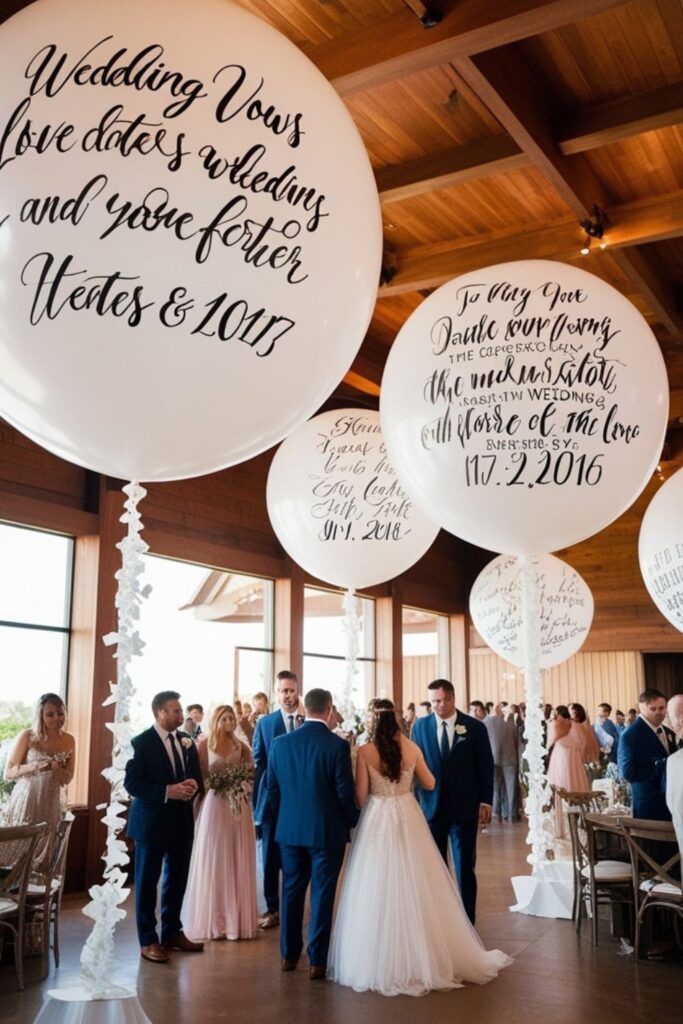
(450, 729)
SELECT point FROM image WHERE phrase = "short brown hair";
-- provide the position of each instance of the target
(159, 699)
(442, 684)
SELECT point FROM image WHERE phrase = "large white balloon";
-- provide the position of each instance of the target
(525, 405)
(337, 507)
(190, 235)
(660, 549)
(565, 602)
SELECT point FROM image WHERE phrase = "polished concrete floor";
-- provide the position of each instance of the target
(556, 977)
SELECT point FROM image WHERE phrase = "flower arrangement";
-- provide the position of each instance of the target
(232, 783)
(461, 730)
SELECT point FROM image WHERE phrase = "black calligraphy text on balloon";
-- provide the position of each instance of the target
(241, 96)
(50, 71)
(357, 483)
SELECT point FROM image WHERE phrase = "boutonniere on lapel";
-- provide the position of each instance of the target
(300, 719)
(461, 731)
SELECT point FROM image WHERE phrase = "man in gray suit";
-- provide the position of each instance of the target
(504, 740)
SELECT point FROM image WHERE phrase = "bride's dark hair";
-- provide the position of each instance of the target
(386, 736)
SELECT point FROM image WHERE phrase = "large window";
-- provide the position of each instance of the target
(325, 645)
(425, 652)
(35, 612)
(208, 634)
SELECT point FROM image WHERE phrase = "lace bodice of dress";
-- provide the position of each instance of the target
(216, 761)
(381, 786)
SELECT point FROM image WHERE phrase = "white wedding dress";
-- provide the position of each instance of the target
(401, 928)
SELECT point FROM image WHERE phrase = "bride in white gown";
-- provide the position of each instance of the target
(401, 928)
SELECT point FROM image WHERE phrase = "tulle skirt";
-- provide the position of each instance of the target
(401, 927)
(221, 888)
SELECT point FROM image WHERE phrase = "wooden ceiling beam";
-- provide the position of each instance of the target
(398, 45)
(505, 83)
(630, 225)
(495, 155)
(603, 123)
(365, 373)
(585, 129)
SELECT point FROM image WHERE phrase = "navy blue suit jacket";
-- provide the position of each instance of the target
(465, 778)
(267, 728)
(310, 788)
(152, 818)
(642, 761)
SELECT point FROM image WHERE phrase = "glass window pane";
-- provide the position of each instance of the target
(253, 674)
(425, 652)
(192, 624)
(35, 576)
(324, 623)
(330, 674)
(32, 662)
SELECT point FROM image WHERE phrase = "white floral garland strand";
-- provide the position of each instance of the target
(97, 955)
(351, 625)
(540, 836)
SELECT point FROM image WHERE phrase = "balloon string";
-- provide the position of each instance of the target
(351, 624)
(97, 955)
(539, 836)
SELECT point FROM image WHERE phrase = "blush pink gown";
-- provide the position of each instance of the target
(566, 769)
(221, 890)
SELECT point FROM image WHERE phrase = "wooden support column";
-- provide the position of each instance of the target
(104, 671)
(289, 622)
(460, 672)
(389, 645)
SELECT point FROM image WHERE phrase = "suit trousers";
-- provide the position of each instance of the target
(272, 864)
(505, 791)
(174, 856)
(320, 867)
(463, 840)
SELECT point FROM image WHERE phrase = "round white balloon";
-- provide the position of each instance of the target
(337, 507)
(565, 602)
(525, 405)
(190, 234)
(660, 549)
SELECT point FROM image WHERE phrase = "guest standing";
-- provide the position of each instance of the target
(505, 748)
(193, 722)
(163, 779)
(221, 889)
(566, 765)
(643, 750)
(674, 770)
(606, 732)
(286, 719)
(40, 762)
(591, 749)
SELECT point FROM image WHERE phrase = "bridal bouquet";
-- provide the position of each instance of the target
(232, 783)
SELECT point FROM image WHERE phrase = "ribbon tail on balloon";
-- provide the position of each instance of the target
(97, 955)
(540, 835)
(351, 623)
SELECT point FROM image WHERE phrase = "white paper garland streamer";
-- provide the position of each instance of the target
(351, 624)
(97, 955)
(540, 835)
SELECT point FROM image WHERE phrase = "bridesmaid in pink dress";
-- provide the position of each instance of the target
(591, 747)
(566, 768)
(221, 891)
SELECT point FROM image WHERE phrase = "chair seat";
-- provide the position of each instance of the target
(651, 885)
(34, 889)
(7, 906)
(610, 871)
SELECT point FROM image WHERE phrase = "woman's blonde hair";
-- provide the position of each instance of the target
(37, 727)
(216, 716)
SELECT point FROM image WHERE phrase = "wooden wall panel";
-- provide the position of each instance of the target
(418, 672)
(590, 677)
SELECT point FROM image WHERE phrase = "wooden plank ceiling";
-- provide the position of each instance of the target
(492, 134)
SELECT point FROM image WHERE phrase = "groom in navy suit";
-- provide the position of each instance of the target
(457, 750)
(163, 778)
(643, 750)
(311, 792)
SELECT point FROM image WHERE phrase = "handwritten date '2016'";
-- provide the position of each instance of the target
(549, 468)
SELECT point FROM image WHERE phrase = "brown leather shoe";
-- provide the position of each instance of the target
(154, 953)
(317, 973)
(288, 965)
(269, 920)
(180, 941)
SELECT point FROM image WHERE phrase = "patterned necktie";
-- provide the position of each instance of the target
(177, 761)
(290, 727)
(445, 746)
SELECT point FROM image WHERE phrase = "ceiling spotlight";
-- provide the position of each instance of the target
(595, 228)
